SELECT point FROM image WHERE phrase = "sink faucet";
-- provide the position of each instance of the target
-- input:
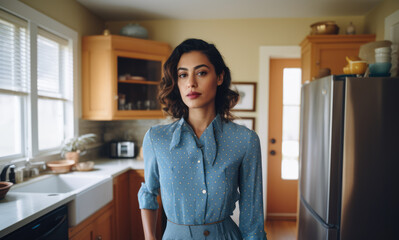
(32, 169)
(3, 174)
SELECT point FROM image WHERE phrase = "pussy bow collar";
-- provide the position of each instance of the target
(208, 140)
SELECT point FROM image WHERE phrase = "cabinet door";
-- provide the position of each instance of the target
(136, 178)
(104, 226)
(122, 206)
(85, 234)
(333, 56)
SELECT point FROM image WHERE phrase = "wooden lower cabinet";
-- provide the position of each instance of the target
(120, 219)
(122, 206)
(99, 226)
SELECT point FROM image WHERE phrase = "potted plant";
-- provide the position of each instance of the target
(74, 147)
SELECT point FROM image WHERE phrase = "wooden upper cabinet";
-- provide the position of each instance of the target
(120, 77)
(329, 51)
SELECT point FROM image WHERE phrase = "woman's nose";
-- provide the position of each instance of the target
(192, 82)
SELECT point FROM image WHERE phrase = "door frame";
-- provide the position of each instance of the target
(265, 54)
(390, 21)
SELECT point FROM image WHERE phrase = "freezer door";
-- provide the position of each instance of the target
(370, 197)
(321, 147)
(310, 228)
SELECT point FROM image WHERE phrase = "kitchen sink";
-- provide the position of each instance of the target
(91, 192)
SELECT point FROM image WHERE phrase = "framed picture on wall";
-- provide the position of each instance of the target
(247, 99)
(249, 122)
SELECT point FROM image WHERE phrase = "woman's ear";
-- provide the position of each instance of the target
(220, 79)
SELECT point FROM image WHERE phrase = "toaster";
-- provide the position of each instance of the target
(122, 149)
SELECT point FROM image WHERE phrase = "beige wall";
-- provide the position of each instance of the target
(238, 40)
(70, 13)
(375, 20)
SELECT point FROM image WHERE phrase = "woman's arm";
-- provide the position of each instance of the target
(149, 190)
(149, 219)
(251, 197)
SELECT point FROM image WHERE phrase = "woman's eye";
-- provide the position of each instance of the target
(202, 73)
(182, 75)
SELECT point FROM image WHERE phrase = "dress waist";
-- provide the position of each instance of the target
(198, 224)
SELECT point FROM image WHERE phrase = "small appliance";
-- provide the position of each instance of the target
(122, 149)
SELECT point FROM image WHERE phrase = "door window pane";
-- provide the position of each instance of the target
(51, 123)
(291, 117)
(10, 125)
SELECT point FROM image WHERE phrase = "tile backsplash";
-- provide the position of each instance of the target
(107, 131)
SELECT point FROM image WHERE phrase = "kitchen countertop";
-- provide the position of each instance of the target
(18, 209)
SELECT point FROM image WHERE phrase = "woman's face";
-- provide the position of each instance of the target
(197, 80)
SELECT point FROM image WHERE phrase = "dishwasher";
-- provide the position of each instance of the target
(52, 226)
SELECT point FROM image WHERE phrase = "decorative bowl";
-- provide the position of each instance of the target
(61, 166)
(85, 166)
(4, 187)
(134, 30)
(367, 51)
(380, 68)
(326, 27)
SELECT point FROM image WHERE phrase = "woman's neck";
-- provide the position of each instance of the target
(200, 120)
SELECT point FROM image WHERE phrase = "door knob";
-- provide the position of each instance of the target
(272, 152)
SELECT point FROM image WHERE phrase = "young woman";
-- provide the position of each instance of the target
(203, 163)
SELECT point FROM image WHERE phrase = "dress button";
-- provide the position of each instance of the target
(204, 191)
(206, 233)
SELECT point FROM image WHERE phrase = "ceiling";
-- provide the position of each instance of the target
(120, 10)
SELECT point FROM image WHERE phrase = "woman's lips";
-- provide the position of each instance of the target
(193, 95)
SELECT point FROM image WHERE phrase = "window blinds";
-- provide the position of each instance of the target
(53, 64)
(14, 53)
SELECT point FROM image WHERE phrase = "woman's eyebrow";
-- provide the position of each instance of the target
(196, 67)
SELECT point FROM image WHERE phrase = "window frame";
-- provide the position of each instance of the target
(29, 128)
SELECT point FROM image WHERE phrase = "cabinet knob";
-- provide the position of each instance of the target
(116, 97)
(318, 63)
(99, 237)
(272, 152)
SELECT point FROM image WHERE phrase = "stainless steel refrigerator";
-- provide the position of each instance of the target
(349, 159)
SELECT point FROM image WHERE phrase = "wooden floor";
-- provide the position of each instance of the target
(281, 229)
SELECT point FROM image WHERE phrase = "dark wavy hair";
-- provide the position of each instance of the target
(169, 95)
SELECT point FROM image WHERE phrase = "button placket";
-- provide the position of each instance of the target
(202, 188)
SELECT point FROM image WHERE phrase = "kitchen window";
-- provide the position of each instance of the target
(37, 73)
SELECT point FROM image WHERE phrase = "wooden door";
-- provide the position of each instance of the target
(281, 193)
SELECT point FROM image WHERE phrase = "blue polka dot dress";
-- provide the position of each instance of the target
(200, 180)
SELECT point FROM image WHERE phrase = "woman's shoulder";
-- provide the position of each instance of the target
(238, 128)
(161, 129)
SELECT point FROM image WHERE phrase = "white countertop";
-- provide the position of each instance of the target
(18, 209)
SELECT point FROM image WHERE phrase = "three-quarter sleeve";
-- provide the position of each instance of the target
(149, 190)
(251, 197)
